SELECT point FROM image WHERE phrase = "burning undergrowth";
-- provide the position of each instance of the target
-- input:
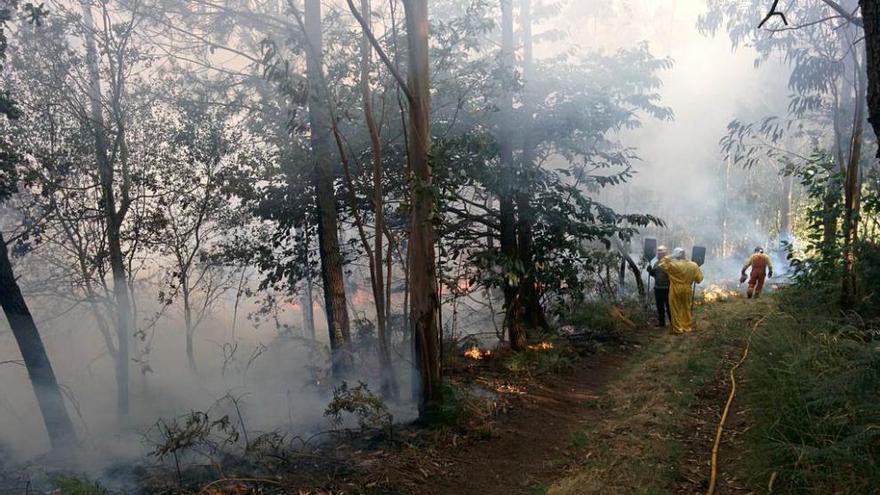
(719, 292)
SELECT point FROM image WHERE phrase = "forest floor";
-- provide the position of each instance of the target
(638, 419)
(637, 416)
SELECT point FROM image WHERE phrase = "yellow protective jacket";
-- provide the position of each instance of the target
(682, 275)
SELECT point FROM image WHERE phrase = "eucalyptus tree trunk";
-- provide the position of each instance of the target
(852, 192)
(113, 215)
(424, 298)
(389, 383)
(832, 188)
(328, 223)
(33, 353)
(516, 331)
(528, 298)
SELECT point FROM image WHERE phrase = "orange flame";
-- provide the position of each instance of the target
(477, 354)
(717, 293)
(542, 346)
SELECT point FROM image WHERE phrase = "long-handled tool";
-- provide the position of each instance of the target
(649, 253)
(698, 256)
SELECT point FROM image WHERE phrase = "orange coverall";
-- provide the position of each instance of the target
(760, 264)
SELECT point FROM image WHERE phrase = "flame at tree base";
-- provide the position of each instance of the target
(477, 354)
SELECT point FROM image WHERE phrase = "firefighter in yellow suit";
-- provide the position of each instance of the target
(683, 274)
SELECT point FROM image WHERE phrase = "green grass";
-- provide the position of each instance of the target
(561, 358)
(539, 489)
(579, 440)
(70, 485)
(813, 384)
(638, 444)
(809, 394)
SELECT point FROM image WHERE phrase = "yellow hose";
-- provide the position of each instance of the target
(713, 476)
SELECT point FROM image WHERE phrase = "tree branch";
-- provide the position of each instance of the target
(387, 61)
(850, 16)
(773, 12)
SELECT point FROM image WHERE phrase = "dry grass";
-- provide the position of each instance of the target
(648, 440)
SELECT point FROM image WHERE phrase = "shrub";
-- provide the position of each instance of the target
(816, 391)
(368, 408)
(869, 276)
(604, 321)
(450, 412)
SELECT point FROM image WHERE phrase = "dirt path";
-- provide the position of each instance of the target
(631, 421)
(528, 449)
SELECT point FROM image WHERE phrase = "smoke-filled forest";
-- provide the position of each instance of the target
(439, 247)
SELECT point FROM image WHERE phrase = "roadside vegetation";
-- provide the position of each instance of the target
(813, 391)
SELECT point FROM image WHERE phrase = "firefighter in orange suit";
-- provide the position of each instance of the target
(762, 268)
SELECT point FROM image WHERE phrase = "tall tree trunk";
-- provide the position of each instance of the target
(833, 187)
(516, 331)
(113, 216)
(785, 209)
(49, 398)
(307, 301)
(829, 216)
(389, 382)
(328, 224)
(188, 321)
(634, 268)
(529, 299)
(871, 21)
(852, 192)
(424, 299)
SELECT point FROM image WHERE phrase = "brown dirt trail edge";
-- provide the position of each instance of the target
(524, 451)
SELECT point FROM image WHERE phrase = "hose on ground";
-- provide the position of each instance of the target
(713, 474)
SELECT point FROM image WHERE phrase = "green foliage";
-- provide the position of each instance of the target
(453, 411)
(594, 316)
(579, 439)
(547, 357)
(819, 264)
(814, 385)
(9, 158)
(580, 103)
(71, 485)
(368, 408)
(602, 321)
(868, 248)
(869, 276)
(555, 361)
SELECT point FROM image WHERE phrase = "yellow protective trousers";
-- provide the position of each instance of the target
(683, 274)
